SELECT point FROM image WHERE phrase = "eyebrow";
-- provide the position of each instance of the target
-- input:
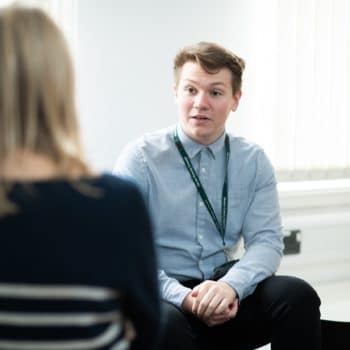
(212, 84)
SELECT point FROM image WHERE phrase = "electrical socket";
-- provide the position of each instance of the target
(292, 242)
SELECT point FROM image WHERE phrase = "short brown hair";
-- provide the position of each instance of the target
(211, 57)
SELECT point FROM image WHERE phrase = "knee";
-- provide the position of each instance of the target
(173, 320)
(305, 293)
(176, 330)
(299, 293)
(292, 291)
(171, 314)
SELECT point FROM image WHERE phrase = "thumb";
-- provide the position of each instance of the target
(195, 292)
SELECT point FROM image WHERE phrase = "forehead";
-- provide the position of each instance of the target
(194, 73)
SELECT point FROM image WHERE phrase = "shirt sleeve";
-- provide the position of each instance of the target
(171, 289)
(262, 233)
(132, 165)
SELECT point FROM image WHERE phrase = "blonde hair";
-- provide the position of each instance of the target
(37, 102)
(211, 57)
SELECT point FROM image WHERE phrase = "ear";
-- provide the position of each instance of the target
(236, 98)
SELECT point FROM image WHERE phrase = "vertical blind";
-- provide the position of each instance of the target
(298, 87)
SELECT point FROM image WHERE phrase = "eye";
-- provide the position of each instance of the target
(190, 90)
(216, 93)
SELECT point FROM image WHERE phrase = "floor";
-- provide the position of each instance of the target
(335, 305)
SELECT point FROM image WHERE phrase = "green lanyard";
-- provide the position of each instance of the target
(200, 189)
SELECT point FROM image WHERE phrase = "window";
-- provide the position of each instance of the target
(298, 82)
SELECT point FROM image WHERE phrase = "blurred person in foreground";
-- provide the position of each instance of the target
(78, 269)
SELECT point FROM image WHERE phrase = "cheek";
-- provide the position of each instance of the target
(224, 110)
(184, 104)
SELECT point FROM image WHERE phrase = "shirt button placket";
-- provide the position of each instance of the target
(202, 174)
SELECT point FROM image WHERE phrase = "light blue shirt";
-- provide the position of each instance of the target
(188, 243)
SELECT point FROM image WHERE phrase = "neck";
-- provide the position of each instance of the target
(201, 139)
(28, 165)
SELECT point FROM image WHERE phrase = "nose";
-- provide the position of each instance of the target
(200, 101)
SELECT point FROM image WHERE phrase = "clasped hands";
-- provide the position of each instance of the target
(214, 302)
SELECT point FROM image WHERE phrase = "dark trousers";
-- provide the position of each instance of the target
(283, 311)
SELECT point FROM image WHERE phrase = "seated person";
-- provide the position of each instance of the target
(77, 260)
(206, 189)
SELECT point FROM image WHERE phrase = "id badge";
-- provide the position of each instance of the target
(221, 270)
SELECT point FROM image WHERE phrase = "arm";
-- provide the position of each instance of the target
(132, 165)
(262, 233)
(172, 290)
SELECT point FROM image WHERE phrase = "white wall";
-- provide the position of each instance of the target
(124, 54)
(323, 216)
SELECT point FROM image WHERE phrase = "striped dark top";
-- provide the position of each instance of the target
(77, 264)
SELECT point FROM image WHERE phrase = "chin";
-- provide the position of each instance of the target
(201, 138)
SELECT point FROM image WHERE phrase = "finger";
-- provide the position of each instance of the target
(198, 293)
(202, 306)
(195, 292)
(219, 318)
(196, 300)
(212, 306)
(195, 305)
(227, 314)
(208, 303)
(222, 307)
(211, 295)
(215, 322)
(201, 289)
(233, 309)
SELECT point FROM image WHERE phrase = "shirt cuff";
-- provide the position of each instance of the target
(175, 293)
(237, 282)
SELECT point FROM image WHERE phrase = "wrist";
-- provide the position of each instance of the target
(187, 303)
(232, 287)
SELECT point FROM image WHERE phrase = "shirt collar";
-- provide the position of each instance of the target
(193, 148)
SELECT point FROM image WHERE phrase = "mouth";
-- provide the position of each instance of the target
(200, 117)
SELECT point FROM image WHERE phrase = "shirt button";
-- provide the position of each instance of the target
(203, 170)
(200, 236)
(201, 204)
